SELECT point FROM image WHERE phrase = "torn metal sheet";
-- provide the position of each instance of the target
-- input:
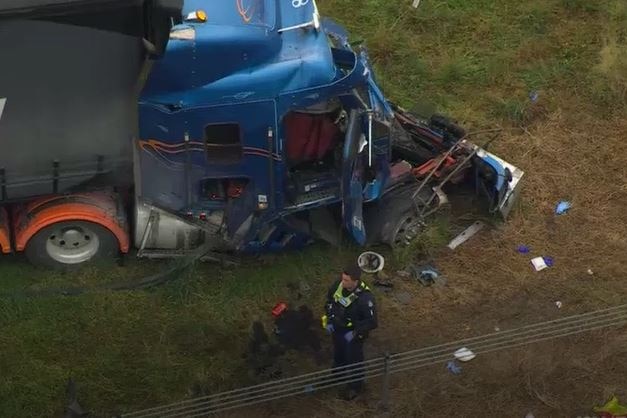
(515, 175)
(466, 235)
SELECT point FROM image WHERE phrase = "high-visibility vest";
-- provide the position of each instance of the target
(346, 301)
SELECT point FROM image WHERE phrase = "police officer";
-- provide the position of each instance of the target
(350, 316)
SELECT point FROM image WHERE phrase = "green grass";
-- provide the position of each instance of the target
(478, 60)
(474, 59)
(127, 349)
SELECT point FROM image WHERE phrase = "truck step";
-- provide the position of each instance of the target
(311, 198)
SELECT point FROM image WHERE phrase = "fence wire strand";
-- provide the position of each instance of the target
(399, 362)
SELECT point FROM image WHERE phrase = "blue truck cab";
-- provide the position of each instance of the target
(186, 126)
(262, 120)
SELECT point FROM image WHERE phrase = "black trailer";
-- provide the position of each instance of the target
(70, 74)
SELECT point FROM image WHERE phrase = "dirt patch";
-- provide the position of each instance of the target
(491, 286)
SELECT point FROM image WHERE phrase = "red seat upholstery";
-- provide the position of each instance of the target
(309, 137)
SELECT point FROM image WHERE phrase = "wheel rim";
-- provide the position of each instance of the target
(72, 244)
(407, 230)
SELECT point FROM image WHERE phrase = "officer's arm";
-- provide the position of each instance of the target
(329, 301)
(367, 314)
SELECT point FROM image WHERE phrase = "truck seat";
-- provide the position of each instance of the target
(309, 137)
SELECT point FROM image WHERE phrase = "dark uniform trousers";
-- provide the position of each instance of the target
(347, 353)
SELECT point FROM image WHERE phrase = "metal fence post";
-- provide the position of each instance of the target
(385, 399)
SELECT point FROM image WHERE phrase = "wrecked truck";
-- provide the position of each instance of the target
(242, 125)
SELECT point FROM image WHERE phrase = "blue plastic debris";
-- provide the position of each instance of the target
(426, 275)
(548, 261)
(533, 96)
(523, 249)
(562, 207)
(453, 367)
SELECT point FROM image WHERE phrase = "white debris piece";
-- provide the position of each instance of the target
(538, 263)
(464, 354)
(466, 235)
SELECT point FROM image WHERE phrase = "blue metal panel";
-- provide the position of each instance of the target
(165, 152)
(230, 61)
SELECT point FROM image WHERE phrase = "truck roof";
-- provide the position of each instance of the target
(242, 51)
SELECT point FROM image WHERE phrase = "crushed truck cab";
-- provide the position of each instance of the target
(258, 127)
(264, 119)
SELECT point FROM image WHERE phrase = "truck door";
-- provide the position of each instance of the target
(353, 178)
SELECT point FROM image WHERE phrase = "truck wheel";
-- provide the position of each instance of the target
(401, 228)
(71, 244)
(393, 221)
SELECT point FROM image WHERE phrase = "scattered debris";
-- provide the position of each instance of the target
(612, 409)
(466, 235)
(558, 304)
(403, 273)
(453, 367)
(415, 4)
(533, 96)
(371, 262)
(590, 272)
(523, 249)
(278, 309)
(538, 263)
(541, 263)
(497, 329)
(427, 275)
(464, 354)
(530, 415)
(562, 207)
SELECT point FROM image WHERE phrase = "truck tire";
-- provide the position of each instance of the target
(393, 221)
(401, 225)
(71, 244)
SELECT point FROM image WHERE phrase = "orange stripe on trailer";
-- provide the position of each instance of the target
(5, 241)
(96, 208)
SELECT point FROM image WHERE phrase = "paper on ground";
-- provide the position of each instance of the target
(538, 263)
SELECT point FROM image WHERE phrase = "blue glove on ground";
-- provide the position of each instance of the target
(330, 328)
(349, 336)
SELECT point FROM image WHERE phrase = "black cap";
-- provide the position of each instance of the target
(354, 271)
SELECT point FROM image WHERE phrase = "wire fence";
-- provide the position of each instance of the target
(386, 365)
